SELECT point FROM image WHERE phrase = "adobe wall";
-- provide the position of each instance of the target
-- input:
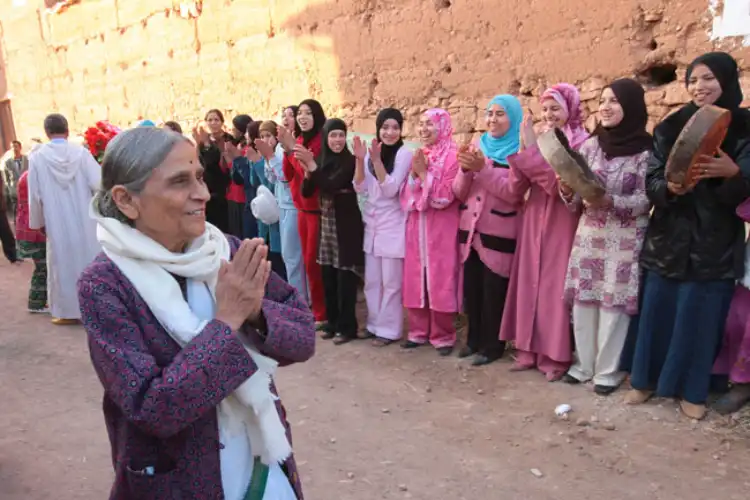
(123, 60)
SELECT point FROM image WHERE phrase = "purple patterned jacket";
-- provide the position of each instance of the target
(160, 400)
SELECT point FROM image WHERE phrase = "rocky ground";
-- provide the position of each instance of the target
(378, 424)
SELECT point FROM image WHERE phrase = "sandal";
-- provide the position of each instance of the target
(381, 342)
(340, 339)
(365, 334)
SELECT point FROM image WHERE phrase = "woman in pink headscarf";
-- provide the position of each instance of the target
(431, 260)
(536, 317)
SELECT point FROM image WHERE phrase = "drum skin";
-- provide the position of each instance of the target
(702, 135)
(570, 165)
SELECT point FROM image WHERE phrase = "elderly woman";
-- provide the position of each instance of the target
(186, 327)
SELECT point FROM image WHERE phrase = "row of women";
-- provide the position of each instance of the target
(643, 277)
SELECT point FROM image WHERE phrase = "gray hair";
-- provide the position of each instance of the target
(129, 160)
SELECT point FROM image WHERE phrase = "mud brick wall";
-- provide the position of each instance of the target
(164, 59)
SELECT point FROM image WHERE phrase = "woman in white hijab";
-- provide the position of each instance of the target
(186, 327)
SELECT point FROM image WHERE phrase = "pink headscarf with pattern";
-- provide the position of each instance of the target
(444, 146)
(568, 97)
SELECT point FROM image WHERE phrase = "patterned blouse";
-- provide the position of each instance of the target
(603, 268)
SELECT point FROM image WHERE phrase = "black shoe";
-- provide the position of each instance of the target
(483, 359)
(445, 351)
(466, 351)
(327, 335)
(605, 390)
(411, 345)
(570, 379)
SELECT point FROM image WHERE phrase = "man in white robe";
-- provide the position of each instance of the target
(63, 178)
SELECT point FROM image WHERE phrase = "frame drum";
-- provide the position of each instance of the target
(702, 135)
(570, 165)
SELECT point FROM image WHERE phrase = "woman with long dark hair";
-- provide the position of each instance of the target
(307, 147)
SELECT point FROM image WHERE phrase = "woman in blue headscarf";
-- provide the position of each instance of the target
(488, 227)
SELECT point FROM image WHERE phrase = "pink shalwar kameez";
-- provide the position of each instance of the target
(384, 246)
(536, 317)
(431, 265)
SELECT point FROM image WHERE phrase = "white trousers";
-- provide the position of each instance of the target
(385, 308)
(600, 336)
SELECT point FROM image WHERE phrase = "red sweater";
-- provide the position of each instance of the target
(295, 174)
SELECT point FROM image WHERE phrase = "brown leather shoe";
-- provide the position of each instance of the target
(637, 396)
(694, 411)
(65, 322)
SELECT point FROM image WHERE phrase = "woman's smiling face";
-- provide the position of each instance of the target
(390, 132)
(305, 118)
(428, 132)
(703, 86)
(554, 114)
(498, 122)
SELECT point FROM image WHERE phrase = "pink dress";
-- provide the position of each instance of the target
(431, 259)
(536, 316)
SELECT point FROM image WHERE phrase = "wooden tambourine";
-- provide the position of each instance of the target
(702, 135)
(570, 165)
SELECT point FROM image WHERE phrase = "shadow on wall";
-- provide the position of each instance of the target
(418, 54)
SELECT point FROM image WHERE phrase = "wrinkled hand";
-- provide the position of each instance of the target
(360, 147)
(242, 284)
(528, 135)
(677, 189)
(200, 134)
(265, 149)
(286, 139)
(303, 155)
(710, 167)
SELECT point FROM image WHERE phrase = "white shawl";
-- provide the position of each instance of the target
(147, 264)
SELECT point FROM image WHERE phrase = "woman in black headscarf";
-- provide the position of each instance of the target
(603, 274)
(340, 252)
(693, 251)
(380, 174)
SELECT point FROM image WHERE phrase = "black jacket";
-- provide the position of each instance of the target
(335, 183)
(697, 236)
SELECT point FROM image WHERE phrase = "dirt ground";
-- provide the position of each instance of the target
(378, 424)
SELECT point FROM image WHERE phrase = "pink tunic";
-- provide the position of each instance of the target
(431, 240)
(536, 316)
(489, 216)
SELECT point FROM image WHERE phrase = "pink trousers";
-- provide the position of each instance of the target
(436, 327)
(385, 311)
(548, 366)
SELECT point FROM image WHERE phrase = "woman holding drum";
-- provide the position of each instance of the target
(603, 273)
(693, 251)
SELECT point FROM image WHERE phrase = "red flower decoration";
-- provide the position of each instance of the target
(97, 138)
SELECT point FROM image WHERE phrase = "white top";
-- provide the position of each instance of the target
(236, 457)
(62, 180)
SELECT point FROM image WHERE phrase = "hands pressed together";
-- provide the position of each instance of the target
(242, 284)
